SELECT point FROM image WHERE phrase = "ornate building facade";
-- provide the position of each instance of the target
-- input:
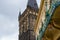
(27, 21)
(42, 25)
(48, 21)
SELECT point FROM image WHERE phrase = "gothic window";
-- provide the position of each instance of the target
(21, 29)
(25, 24)
(32, 21)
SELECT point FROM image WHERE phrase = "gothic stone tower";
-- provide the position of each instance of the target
(27, 21)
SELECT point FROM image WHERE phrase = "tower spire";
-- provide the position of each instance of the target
(32, 4)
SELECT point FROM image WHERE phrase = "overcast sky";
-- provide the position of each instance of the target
(9, 10)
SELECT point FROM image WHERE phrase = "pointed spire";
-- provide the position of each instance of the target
(32, 4)
(19, 15)
(20, 12)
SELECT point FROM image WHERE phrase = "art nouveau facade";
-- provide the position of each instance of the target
(48, 21)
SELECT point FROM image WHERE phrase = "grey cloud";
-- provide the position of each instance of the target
(7, 26)
(8, 18)
(9, 9)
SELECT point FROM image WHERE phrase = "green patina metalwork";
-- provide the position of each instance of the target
(49, 13)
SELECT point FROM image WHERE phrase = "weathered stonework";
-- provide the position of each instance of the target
(27, 21)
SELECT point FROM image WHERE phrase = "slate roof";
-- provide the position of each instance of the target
(32, 4)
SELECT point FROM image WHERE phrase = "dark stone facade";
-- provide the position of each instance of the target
(27, 22)
(27, 36)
